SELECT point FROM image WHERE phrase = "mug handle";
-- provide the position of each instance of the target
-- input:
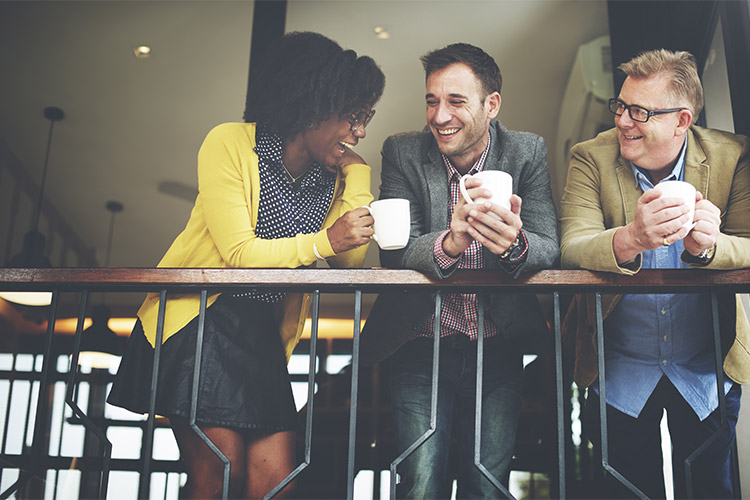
(373, 216)
(462, 186)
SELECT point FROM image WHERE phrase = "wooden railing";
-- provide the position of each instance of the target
(164, 281)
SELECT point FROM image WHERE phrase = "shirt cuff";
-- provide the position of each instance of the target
(444, 261)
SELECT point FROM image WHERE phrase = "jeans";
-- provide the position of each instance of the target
(635, 445)
(424, 473)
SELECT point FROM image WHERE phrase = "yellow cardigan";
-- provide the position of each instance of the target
(221, 231)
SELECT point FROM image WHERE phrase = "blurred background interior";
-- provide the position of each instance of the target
(109, 177)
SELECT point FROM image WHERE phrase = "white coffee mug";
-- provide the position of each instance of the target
(683, 190)
(499, 183)
(392, 222)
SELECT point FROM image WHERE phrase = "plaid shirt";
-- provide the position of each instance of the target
(460, 311)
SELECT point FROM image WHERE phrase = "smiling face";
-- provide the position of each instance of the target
(325, 143)
(656, 144)
(458, 115)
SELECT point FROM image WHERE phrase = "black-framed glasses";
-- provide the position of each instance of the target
(637, 113)
(361, 119)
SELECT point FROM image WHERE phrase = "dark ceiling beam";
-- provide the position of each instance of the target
(639, 25)
(735, 22)
(269, 23)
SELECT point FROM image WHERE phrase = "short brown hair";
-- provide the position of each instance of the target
(678, 67)
(481, 63)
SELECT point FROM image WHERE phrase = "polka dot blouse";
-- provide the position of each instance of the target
(288, 208)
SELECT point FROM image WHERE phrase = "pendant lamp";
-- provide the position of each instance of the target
(100, 346)
(32, 252)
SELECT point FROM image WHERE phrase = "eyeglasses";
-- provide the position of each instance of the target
(361, 119)
(637, 113)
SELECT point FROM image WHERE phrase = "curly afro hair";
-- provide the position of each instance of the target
(305, 79)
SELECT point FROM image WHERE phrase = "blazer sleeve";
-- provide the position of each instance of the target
(733, 242)
(400, 179)
(586, 240)
(538, 213)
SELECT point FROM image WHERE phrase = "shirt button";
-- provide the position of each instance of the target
(665, 338)
(664, 361)
(663, 311)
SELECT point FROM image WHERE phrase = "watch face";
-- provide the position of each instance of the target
(512, 251)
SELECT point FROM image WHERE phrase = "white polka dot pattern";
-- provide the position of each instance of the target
(287, 209)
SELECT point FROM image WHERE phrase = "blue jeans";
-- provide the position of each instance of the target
(635, 445)
(424, 473)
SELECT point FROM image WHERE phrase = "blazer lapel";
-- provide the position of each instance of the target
(628, 188)
(436, 184)
(696, 169)
(495, 154)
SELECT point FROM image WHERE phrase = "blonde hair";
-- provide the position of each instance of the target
(680, 70)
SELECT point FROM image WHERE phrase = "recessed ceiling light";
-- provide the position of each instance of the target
(381, 32)
(142, 51)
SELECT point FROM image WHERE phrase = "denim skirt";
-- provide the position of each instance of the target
(243, 384)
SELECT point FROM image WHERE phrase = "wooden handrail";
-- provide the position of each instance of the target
(369, 280)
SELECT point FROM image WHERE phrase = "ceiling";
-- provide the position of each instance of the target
(131, 123)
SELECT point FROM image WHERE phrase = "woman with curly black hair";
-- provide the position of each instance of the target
(282, 191)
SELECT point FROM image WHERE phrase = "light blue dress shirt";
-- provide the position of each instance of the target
(650, 335)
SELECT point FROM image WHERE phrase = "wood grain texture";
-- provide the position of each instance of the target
(368, 280)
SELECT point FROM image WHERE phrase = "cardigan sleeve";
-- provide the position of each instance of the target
(353, 192)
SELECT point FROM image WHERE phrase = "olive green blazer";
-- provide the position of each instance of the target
(600, 196)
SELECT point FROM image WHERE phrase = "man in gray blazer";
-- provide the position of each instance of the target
(447, 233)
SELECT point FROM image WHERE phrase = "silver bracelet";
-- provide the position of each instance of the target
(317, 254)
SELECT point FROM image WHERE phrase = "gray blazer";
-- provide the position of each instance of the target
(413, 169)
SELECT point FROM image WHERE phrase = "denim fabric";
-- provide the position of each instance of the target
(635, 445)
(424, 474)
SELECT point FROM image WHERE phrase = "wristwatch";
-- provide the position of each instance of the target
(506, 254)
(705, 256)
(702, 258)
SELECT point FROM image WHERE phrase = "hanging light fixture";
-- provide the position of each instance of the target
(100, 346)
(32, 252)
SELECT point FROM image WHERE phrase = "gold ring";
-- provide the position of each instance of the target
(665, 243)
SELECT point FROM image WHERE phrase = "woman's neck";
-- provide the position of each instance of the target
(296, 159)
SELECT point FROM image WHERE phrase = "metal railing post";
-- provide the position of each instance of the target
(353, 397)
(560, 397)
(478, 405)
(41, 405)
(147, 450)
(72, 393)
(195, 396)
(312, 363)
(720, 394)
(603, 402)
(433, 397)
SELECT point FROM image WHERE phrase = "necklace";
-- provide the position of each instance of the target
(292, 178)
